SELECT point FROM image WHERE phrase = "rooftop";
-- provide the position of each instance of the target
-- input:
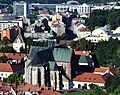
(89, 77)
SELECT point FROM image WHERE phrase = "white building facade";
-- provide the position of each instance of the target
(20, 9)
(81, 9)
(10, 23)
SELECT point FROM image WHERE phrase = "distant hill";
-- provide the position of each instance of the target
(57, 1)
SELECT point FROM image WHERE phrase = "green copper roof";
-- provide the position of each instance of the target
(62, 54)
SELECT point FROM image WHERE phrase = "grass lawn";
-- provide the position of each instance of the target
(78, 93)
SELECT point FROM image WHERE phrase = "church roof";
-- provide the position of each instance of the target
(41, 56)
(34, 50)
(19, 37)
(85, 59)
(62, 54)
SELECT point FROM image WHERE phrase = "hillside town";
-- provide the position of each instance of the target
(60, 49)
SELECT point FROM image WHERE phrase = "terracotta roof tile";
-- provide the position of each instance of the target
(101, 70)
(50, 92)
(14, 56)
(28, 87)
(86, 53)
(113, 70)
(89, 77)
(84, 29)
(105, 76)
(6, 67)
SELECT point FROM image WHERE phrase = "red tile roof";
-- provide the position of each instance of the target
(32, 88)
(84, 29)
(6, 67)
(28, 87)
(14, 56)
(86, 53)
(101, 70)
(50, 92)
(105, 76)
(89, 77)
(113, 70)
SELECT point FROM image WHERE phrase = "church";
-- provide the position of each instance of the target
(52, 67)
(49, 67)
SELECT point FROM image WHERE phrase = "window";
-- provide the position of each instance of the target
(79, 86)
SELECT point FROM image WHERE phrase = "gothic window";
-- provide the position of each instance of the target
(39, 77)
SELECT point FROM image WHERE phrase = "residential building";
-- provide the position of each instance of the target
(73, 6)
(83, 32)
(4, 24)
(21, 9)
(104, 70)
(8, 69)
(116, 34)
(18, 43)
(6, 16)
(58, 27)
(11, 33)
(99, 34)
(85, 79)
(15, 57)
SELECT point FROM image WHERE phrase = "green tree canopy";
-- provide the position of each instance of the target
(22, 50)
(82, 45)
(14, 78)
(3, 59)
(106, 52)
(5, 41)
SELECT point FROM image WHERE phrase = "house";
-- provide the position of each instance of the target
(58, 27)
(104, 70)
(85, 58)
(17, 57)
(11, 33)
(4, 24)
(49, 67)
(85, 79)
(72, 6)
(99, 34)
(83, 32)
(116, 34)
(83, 62)
(8, 69)
(19, 42)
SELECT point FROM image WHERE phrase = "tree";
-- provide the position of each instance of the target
(5, 41)
(14, 78)
(10, 9)
(82, 45)
(22, 50)
(3, 59)
(7, 49)
(113, 83)
(106, 52)
(93, 86)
